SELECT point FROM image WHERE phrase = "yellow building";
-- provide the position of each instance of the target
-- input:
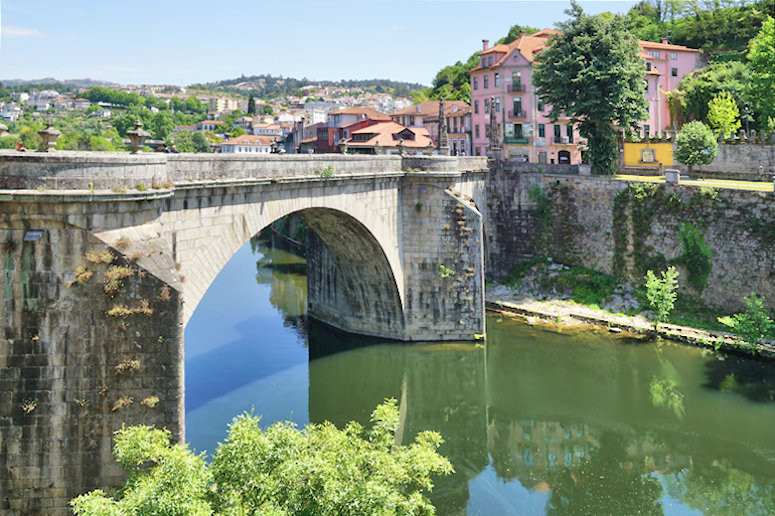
(648, 154)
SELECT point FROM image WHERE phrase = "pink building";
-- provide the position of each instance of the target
(503, 81)
(666, 65)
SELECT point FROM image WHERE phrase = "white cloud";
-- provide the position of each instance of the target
(11, 31)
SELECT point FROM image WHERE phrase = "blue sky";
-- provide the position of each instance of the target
(188, 41)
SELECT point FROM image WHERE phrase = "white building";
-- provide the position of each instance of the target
(249, 143)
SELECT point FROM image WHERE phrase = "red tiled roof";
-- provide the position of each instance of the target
(384, 135)
(370, 113)
(251, 139)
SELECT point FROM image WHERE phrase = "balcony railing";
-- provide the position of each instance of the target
(517, 114)
(515, 88)
(562, 140)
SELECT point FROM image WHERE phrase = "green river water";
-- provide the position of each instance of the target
(535, 422)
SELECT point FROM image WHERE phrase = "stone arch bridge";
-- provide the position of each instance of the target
(105, 257)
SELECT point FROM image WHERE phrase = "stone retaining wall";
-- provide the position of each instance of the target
(589, 224)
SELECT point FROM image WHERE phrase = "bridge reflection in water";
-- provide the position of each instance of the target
(537, 422)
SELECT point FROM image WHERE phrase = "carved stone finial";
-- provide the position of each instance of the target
(137, 136)
(49, 137)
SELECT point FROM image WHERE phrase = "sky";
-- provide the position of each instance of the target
(184, 42)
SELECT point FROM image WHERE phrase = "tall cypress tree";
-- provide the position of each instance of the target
(251, 105)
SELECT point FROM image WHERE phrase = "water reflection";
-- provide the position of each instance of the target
(536, 422)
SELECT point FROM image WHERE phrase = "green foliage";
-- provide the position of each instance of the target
(690, 101)
(325, 172)
(723, 114)
(664, 393)
(592, 73)
(514, 33)
(451, 82)
(661, 293)
(445, 272)
(752, 325)
(697, 256)
(695, 145)
(190, 141)
(319, 470)
(761, 55)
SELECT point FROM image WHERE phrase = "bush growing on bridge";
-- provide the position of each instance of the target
(280, 471)
(695, 145)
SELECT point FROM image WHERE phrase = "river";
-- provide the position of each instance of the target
(535, 422)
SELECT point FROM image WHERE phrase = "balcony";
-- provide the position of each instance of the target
(517, 114)
(522, 140)
(515, 88)
(562, 140)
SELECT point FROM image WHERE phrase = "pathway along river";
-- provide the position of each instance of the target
(535, 423)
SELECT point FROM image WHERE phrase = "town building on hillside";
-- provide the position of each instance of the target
(81, 104)
(348, 116)
(249, 143)
(414, 116)
(666, 65)
(10, 112)
(458, 119)
(503, 81)
(209, 125)
(387, 137)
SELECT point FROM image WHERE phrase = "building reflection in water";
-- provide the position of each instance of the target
(592, 452)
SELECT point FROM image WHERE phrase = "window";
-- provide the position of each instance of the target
(476, 107)
(673, 56)
(496, 80)
(476, 83)
(517, 105)
(674, 72)
(516, 81)
(518, 131)
(487, 131)
(557, 131)
(486, 106)
(411, 120)
(541, 104)
(647, 130)
(486, 79)
(648, 67)
(498, 105)
(569, 132)
(541, 130)
(476, 130)
(653, 53)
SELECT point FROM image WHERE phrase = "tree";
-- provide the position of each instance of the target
(280, 471)
(251, 105)
(514, 32)
(695, 145)
(162, 124)
(761, 54)
(752, 325)
(661, 294)
(723, 114)
(591, 72)
(691, 99)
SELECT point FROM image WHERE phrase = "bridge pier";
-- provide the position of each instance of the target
(99, 280)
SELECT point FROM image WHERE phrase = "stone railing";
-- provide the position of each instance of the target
(73, 170)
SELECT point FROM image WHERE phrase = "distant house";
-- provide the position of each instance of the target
(184, 128)
(81, 104)
(414, 116)
(209, 125)
(248, 143)
(385, 137)
(10, 112)
(39, 105)
(266, 129)
(345, 117)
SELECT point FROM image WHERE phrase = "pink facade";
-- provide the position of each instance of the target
(525, 131)
(666, 65)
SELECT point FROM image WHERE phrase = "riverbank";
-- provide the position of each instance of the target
(537, 300)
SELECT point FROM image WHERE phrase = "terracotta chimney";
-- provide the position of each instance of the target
(485, 44)
(522, 34)
(665, 41)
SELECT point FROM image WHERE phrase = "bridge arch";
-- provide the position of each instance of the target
(355, 276)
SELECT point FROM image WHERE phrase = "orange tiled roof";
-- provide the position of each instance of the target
(251, 139)
(370, 113)
(665, 46)
(430, 107)
(528, 46)
(384, 135)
